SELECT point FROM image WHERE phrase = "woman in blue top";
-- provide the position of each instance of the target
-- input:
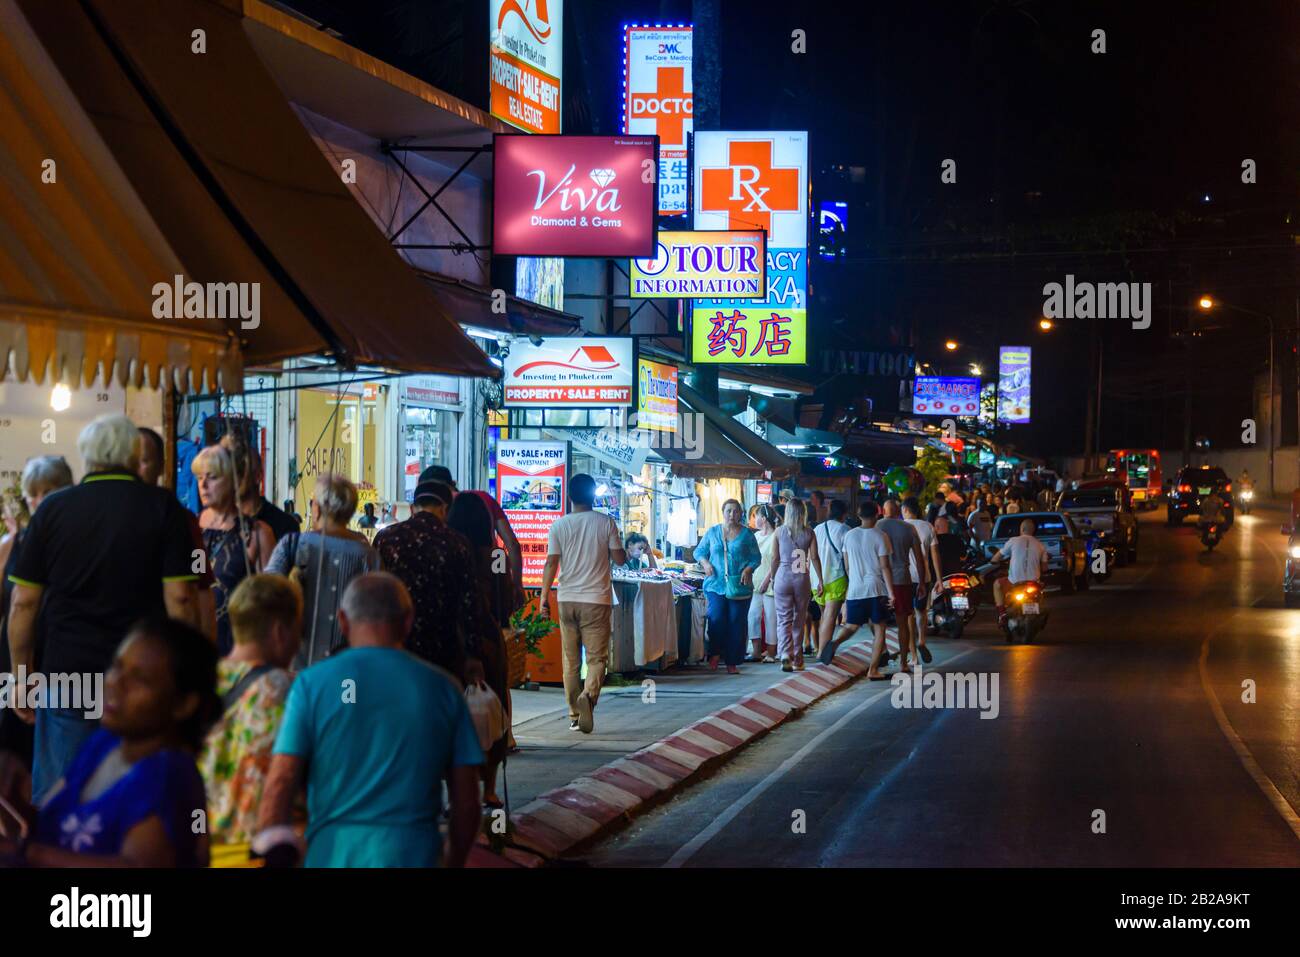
(132, 793)
(728, 553)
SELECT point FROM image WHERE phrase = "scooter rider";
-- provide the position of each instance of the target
(1027, 557)
(1213, 511)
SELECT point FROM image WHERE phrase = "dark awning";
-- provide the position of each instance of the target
(471, 305)
(79, 254)
(237, 184)
(726, 449)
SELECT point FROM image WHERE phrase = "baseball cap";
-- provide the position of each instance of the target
(435, 491)
(438, 473)
(786, 495)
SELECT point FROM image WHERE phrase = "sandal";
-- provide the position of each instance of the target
(769, 660)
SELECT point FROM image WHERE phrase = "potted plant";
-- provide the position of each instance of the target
(527, 629)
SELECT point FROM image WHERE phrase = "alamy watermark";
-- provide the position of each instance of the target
(214, 300)
(1103, 300)
(975, 690)
(70, 691)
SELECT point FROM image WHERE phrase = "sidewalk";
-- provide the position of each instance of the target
(650, 739)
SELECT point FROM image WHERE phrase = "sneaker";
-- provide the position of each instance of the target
(584, 722)
(573, 725)
(785, 665)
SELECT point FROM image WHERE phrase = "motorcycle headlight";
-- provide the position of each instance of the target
(1294, 551)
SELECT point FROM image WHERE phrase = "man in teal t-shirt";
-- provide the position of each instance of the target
(373, 731)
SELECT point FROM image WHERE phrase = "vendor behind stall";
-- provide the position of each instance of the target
(639, 552)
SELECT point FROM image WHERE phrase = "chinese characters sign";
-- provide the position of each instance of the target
(692, 264)
(1013, 383)
(531, 482)
(657, 99)
(755, 181)
(569, 373)
(941, 395)
(656, 396)
(573, 195)
(526, 61)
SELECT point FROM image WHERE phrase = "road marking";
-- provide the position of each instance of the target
(1262, 780)
(688, 850)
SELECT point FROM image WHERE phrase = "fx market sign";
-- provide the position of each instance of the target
(691, 264)
(748, 181)
(657, 100)
(573, 195)
(526, 62)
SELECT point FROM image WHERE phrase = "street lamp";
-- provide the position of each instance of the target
(951, 345)
(975, 369)
(1207, 303)
(1045, 324)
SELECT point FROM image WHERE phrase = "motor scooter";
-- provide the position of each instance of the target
(1245, 500)
(1211, 535)
(955, 604)
(1025, 615)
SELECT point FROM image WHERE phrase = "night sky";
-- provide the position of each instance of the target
(1068, 161)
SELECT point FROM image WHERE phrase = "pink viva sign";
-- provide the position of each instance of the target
(574, 195)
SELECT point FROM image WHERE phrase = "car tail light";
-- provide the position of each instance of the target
(1228, 487)
(1184, 488)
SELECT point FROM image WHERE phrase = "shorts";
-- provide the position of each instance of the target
(858, 611)
(833, 591)
(904, 595)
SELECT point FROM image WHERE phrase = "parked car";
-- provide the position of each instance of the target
(1067, 551)
(1291, 571)
(1191, 485)
(1105, 507)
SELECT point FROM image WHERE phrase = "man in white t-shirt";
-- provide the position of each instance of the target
(867, 558)
(929, 549)
(830, 547)
(585, 542)
(1028, 561)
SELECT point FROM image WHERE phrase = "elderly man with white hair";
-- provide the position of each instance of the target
(97, 557)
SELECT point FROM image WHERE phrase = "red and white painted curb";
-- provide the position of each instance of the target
(565, 817)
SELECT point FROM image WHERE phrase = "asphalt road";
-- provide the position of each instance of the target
(1127, 714)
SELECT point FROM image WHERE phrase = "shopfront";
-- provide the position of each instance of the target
(432, 413)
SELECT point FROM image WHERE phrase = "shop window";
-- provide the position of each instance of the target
(429, 438)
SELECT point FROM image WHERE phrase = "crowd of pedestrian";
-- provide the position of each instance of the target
(310, 694)
(259, 683)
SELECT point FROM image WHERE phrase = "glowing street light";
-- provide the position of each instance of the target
(1045, 324)
(975, 369)
(951, 345)
(1206, 303)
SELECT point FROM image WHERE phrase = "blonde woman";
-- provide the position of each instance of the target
(236, 545)
(796, 550)
(762, 607)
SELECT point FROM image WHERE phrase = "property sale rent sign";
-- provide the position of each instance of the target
(573, 195)
(658, 100)
(570, 373)
(526, 62)
(531, 482)
(755, 181)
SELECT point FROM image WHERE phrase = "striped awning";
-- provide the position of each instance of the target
(79, 254)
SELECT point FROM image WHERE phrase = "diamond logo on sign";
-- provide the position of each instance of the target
(602, 177)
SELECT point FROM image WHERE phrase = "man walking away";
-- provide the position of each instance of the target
(373, 731)
(906, 552)
(927, 573)
(867, 553)
(830, 547)
(584, 542)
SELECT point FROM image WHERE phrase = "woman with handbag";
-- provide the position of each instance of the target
(728, 553)
(796, 550)
(323, 562)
